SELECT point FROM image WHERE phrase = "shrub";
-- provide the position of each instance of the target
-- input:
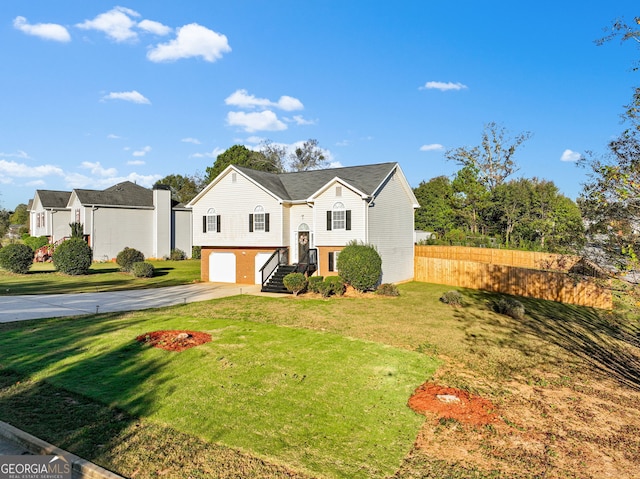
(337, 285)
(388, 289)
(325, 288)
(177, 255)
(196, 252)
(35, 242)
(142, 269)
(73, 257)
(452, 298)
(510, 307)
(295, 282)
(313, 282)
(127, 257)
(360, 266)
(16, 258)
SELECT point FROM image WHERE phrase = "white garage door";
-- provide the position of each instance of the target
(261, 259)
(222, 267)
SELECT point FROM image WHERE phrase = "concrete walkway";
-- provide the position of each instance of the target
(18, 308)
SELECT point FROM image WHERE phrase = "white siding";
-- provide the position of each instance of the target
(391, 221)
(117, 228)
(351, 201)
(234, 202)
(182, 231)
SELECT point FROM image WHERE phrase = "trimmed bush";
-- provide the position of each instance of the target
(127, 257)
(196, 252)
(142, 269)
(325, 288)
(295, 282)
(337, 285)
(388, 289)
(452, 298)
(510, 307)
(313, 282)
(17, 258)
(73, 257)
(360, 266)
(177, 255)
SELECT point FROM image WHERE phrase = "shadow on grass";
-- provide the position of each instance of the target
(607, 341)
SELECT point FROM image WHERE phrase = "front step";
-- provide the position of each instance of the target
(275, 283)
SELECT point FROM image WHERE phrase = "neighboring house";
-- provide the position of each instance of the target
(49, 215)
(245, 218)
(124, 215)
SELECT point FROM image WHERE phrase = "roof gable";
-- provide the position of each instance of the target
(53, 199)
(122, 194)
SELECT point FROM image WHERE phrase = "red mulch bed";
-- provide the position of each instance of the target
(452, 403)
(174, 340)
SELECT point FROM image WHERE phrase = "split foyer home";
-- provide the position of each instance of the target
(250, 223)
(124, 215)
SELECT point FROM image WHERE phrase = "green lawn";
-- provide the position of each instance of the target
(43, 278)
(317, 401)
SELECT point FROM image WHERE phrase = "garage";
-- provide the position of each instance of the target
(222, 267)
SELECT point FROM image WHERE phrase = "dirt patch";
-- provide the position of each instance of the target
(174, 340)
(451, 403)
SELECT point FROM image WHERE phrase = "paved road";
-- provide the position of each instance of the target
(17, 308)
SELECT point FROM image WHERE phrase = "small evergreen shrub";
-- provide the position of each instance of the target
(312, 283)
(127, 257)
(325, 288)
(360, 266)
(16, 257)
(388, 289)
(142, 269)
(452, 298)
(295, 282)
(73, 257)
(337, 285)
(177, 255)
(196, 252)
(510, 307)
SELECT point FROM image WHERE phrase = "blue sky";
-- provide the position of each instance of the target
(93, 93)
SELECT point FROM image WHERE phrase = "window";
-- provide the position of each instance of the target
(259, 220)
(338, 218)
(77, 215)
(211, 222)
(333, 260)
(338, 191)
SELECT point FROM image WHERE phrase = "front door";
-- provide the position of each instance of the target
(303, 247)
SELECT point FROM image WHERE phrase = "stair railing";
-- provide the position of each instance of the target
(279, 256)
(311, 266)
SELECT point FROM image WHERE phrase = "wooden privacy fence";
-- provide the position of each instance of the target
(520, 273)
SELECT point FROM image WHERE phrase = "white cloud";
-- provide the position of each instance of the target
(47, 31)
(432, 147)
(111, 136)
(132, 96)
(76, 180)
(142, 151)
(212, 154)
(242, 99)
(117, 24)
(22, 170)
(36, 183)
(255, 121)
(156, 28)
(194, 141)
(97, 169)
(20, 154)
(300, 120)
(442, 86)
(192, 40)
(569, 155)
(136, 162)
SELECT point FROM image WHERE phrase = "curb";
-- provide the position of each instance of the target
(80, 468)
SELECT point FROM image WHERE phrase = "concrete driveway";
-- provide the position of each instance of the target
(18, 308)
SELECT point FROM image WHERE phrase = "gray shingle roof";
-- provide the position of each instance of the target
(53, 199)
(122, 194)
(301, 185)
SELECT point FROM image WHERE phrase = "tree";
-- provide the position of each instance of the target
(183, 188)
(471, 198)
(20, 216)
(4, 222)
(620, 28)
(275, 154)
(493, 158)
(241, 156)
(308, 156)
(436, 212)
(510, 205)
